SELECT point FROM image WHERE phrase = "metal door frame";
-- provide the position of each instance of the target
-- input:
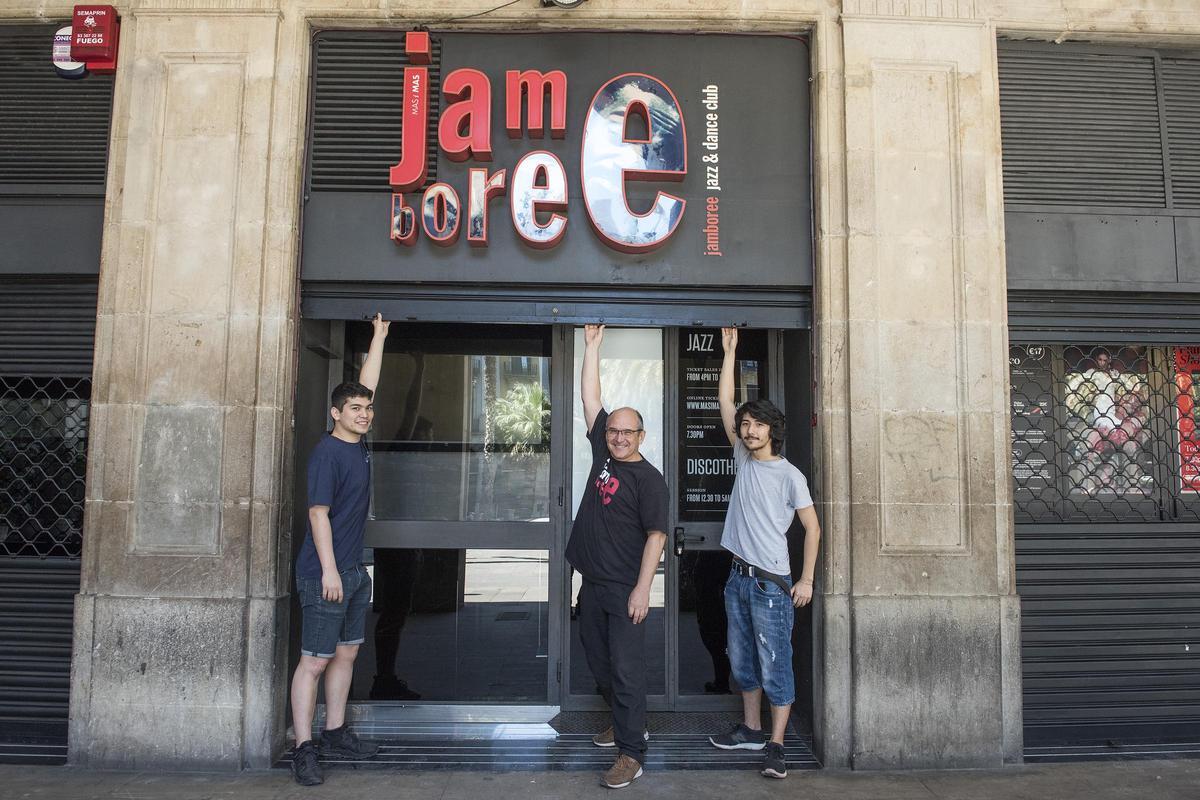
(453, 535)
(564, 386)
(711, 531)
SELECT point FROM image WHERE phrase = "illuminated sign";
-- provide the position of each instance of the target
(537, 187)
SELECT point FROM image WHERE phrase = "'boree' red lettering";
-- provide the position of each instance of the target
(539, 184)
(481, 188)
(610, 157)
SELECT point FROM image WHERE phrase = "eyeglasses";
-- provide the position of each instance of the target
(621, 433)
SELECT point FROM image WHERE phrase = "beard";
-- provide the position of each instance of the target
(756, 444)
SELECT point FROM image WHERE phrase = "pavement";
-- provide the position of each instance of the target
(1103, 780)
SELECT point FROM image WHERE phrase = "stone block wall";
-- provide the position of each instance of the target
(180, 623)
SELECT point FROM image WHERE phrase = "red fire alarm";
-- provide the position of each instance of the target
(94, 31)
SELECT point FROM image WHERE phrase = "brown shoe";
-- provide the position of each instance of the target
(608, 737)
(624, 772)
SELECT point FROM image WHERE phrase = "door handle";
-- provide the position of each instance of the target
(681, 540)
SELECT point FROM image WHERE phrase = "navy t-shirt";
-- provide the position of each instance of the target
(339, 476)
(622, 502)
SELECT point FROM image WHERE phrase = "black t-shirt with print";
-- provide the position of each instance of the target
(622, 501)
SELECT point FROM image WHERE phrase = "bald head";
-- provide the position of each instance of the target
(624, 433)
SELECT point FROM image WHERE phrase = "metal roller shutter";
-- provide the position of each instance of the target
(357, 100)
(53, 132)
(53, 158)
(1109, 581)
(1108, 577)
(1080, 129)
(47, 328)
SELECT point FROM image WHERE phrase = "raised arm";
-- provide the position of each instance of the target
(589, 378)
(725, 389)
(368, 376)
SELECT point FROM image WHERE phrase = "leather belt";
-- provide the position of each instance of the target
(751, 571)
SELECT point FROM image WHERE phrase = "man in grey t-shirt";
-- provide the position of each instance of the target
(760, 597)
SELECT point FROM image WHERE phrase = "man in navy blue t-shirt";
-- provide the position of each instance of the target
(333, 587)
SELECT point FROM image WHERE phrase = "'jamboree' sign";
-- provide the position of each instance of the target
(583, 158)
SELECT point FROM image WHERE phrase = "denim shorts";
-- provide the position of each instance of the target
(760, 636)
(328, 625)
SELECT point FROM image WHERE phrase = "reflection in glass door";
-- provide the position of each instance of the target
(702, 479)
(461, 532)
(631, 374)
(671, 376)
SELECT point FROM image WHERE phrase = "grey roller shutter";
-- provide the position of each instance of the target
(1080, 129)
(1108, 621)
(47, 330)
(53, 132)
(37, 606)
(357, 105)
(47, 326)
(1181, 97)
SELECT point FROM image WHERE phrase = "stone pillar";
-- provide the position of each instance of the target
(178, 657)
(913, 350)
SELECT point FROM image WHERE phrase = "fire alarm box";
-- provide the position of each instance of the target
(94, 32)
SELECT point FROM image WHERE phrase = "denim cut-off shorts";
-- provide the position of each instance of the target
(328, 625)
(760, 636)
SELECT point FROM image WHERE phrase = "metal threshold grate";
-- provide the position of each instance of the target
(677, 742)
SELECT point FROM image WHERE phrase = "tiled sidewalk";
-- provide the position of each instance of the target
(1109, 780)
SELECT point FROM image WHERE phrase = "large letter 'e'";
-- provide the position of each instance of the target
(609, 158)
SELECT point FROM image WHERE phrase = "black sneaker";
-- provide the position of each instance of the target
(776, 763)
(305, 768)
(739, 738)
(344, 743)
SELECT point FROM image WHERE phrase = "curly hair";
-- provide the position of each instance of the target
(767, 413)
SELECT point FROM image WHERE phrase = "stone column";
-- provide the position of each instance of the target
(178, 657)
(914, 343)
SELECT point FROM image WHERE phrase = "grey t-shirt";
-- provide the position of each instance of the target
(766, 496)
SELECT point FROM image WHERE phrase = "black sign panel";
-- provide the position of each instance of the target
(744, 103)
(1032, 422)
(706, 469)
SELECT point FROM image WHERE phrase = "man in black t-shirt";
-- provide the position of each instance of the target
(616, 543)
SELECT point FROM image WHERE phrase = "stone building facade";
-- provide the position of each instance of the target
(180, 654)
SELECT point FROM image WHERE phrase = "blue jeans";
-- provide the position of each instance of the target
(760, 637)
(327, 625)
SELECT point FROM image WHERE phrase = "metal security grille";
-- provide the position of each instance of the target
(1105, 432)
(357, 110)
(43, 464)
(52, 130)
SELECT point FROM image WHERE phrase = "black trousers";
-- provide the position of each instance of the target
(616, 654)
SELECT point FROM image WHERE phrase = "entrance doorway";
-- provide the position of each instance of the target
(479, 460)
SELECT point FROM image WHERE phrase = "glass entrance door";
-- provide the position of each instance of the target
(702, 479)
(671, 376)
(632, 373)
(479, 460)
(464, 524)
